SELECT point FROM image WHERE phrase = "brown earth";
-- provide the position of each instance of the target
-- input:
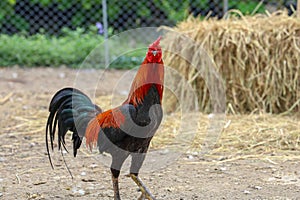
(26, 172)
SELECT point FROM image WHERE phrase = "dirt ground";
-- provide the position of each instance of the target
(25, 172)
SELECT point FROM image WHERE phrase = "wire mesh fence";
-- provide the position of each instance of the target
(53, 16)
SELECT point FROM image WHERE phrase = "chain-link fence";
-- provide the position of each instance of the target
(51, 16)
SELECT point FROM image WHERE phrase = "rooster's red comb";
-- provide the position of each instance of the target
(155, 43)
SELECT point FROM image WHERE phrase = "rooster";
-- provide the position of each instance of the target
(121, 131)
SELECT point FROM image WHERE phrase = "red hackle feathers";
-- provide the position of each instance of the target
(147, 75)
(150, 72)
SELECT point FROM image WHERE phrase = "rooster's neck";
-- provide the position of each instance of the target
(149, 74)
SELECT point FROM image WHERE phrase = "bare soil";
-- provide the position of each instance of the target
(25, 172)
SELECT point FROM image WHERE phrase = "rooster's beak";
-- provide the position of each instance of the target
(154, 53)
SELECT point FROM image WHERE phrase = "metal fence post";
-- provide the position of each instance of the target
(105, 26)
(225, 7)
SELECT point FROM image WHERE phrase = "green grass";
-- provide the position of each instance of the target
(70, 50)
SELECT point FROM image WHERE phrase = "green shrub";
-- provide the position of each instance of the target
(41, 50)
(70, 49)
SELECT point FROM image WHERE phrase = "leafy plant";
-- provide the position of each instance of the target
(247, 7)
(175, 10)
(70, 49)
(41, 50)
(6, 8)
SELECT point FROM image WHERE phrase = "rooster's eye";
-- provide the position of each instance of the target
(154, 52)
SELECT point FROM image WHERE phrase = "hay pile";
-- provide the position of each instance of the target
(258, 58)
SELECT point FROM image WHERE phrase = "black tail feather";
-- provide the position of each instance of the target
(70, 110)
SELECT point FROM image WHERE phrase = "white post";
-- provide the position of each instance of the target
(105, 27)
(225, 6)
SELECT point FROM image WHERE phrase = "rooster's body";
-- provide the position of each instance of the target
(122, 131)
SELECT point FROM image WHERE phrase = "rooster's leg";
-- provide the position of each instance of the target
(115, 180)
(136, 164)
(117, 162)
(145, 191)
